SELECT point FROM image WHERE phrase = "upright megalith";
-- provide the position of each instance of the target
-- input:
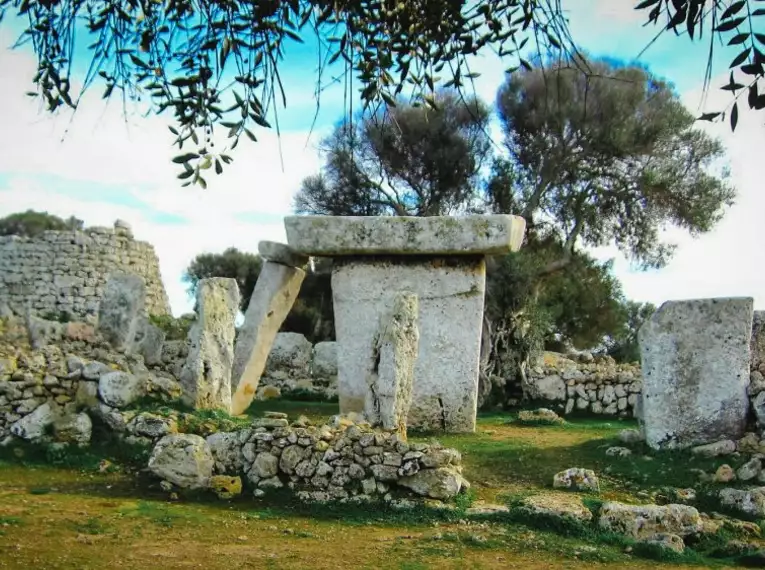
(440, 260)
(121, 310)
(390, 382)
(206, 374)
(275, 292)
(695, 363)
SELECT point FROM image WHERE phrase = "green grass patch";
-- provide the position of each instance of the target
(92, 525)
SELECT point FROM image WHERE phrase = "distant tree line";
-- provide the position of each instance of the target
(32, 224)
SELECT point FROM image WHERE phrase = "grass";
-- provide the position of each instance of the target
(134, 525)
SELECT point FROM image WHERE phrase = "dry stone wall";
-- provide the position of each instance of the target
(597, 387)
(66, 272)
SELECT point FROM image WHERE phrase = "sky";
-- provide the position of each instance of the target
(100, 166)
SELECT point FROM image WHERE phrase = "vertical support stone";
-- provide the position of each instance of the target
(275, 292)
(121, 309)
(451, 294)
(206, 375)
(389, 394)
(695, 364)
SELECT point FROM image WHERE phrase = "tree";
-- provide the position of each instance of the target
(189, 57)
(408, 161)
(623, 346)
(606, 159)
(32, 224)
(600, 160)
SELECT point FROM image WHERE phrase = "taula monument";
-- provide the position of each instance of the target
(408, 298)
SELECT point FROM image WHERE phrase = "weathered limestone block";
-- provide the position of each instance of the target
(290, 354)
(644, 521)
(149, 341)
(184, 460)
(42, 332)
(545, 388)
(389, 394)
(404, 235)
(283, 254)
(206, 375)
(121, 309)
(451, 294)
(275, 293)
(119, 389)
(695, 362)
(33, 427)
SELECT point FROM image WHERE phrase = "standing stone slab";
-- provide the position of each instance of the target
(275, 292)
(451, 294)
(758, 341)
(404, 235)
(206, 375)
(389, 395)
(121, 309)
(695, 362)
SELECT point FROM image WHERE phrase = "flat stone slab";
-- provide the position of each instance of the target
(280, 253)
(695, 364)
(334, 236)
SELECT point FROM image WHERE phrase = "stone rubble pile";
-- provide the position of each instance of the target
(67, 271)
(346, 460)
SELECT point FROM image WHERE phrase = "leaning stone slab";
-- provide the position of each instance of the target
(121, 308)
(404, 235)
(275, 292)
(695, 363)
(451, 294)
(390, 383)
(206, 374)
(280, 253)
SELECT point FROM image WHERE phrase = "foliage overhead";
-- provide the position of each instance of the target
(623, 345)
(32, 223)
(609, 158)
(727, 22)
(217, 63)
(410, 161)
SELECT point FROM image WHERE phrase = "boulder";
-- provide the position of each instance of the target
(226, 486)
(390, 383)
(644, 521)
(227, 451)
(122, 307)
(119, 389)
(152, 426)
(324, 360)
(747, 501)
(42, 332)
(576, 478)
(715, 449)
(563, 505)
(184, 460)
(442, 483)
(34, 426)
(73, 428)
(206, 375)
(695, 364)
(547, 388)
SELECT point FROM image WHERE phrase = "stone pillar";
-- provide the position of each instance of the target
(275, 292)
(206, 375)
(389, 392)
(695, 365)
(441, 260)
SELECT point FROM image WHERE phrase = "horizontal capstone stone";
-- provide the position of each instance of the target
(283, 254)
(334, 236)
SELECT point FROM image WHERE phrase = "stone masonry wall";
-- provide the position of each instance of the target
(599, 387)
(65, 272)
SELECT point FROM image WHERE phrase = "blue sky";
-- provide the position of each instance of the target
(100, 167)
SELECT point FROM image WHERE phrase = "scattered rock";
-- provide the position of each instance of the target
(558, 504)
(724, 474)
(644, 521)
(749, 470)
(577, 478)
(442, 483)
(33, 427)
(540, 416)
(667, 540)
(750, 502)
(225, 486)
(722, 447)
(119, 389)
(73, 428)
(618, 452)
(630, 436)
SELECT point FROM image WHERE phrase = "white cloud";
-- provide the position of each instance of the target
(132, 163)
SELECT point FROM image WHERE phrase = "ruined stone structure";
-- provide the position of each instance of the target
(66, 272)
(438, 259)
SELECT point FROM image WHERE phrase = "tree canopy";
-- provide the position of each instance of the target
(410, 161)
(32, 223)
(217, 64)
